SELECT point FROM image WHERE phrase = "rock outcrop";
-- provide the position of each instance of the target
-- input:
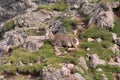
(83, 62)
(10, 8)
(33, 43)
(94, 61)
(101, 14)
(60, 74)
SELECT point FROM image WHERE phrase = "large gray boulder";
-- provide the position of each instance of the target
(15, 38)
(53, 74)
(101, 14)
(33, 43)
(33, 19)
(105, 20)
(4, 48)
(60, 74)
(10, 8)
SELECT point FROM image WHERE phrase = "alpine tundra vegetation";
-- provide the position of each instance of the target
(59, 39)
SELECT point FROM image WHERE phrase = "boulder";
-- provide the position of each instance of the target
(101, 15)
(77, 76)
(90, 40)
(114, 64)
(114, 36)
(117, 41)
(10, 8)
(99, 40)
(99, 70)
(105, 19)
(94, 60)
(104, 77)
(33, 43)
(115, 4)
(65, 71)
(4, 47)
(53, 74)
(115, 48)
(15, 40)
(83, 62)
(2, 77)
(29, 3)
(35, 19)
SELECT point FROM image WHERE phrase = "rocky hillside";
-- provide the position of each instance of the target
(59, 40)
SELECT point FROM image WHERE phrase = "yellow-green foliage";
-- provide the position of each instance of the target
(45, 56)
(97, 33)
(109, 68)
(116, 28)
(10, 25)
(69, 24)
(53, 7)
(100, 48)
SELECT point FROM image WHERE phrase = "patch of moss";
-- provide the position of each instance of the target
(69, 24)
(9, 69)
(53, 7)
(10, 25)
(80, 52)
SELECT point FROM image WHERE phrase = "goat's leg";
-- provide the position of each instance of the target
(57, 51)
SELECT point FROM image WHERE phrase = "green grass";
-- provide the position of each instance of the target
(45, 56)
(53, 7)
(109, 68)
(10, 25)
(68, 24)
(116, 28)
(97, 48)
(100, 48)
(98, 75)
(96, 33)
(110, 0)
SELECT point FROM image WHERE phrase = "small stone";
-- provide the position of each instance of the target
(87, 49)
(104, 77)
(99, 70)
(90, 39)
(114, 36)
(70, 66)
(2, 77)
(99, 40)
